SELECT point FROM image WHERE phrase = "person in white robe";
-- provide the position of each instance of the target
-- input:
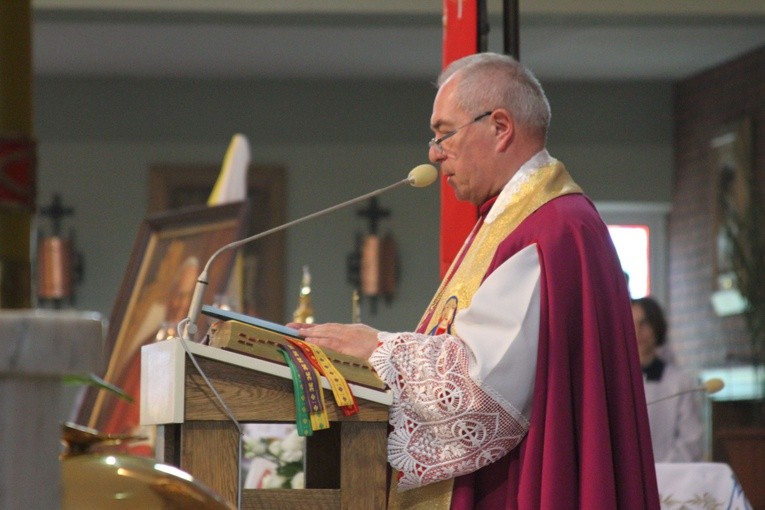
(677, 432)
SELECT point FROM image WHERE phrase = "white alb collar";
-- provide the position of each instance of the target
(537, 161)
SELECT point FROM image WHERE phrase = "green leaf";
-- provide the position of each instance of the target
(290, 469)
(94, 380)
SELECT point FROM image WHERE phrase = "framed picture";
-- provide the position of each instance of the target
(731, 194)
(169, 253)
(262, 287)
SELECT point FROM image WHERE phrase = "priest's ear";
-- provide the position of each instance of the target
(504, 127)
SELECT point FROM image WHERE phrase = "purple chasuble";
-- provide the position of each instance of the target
(588, 446)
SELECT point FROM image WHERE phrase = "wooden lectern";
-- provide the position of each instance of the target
(345, 465)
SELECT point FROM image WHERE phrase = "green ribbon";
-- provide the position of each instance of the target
(303, 418)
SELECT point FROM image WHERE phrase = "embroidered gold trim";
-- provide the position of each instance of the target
(545, 184)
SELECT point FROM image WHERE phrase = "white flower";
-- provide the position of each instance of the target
(293, 441)
(292, 448)
(273, 481)
(285, 454)
(298, 481)
(291, 456)
(255, 448)
(275, 448)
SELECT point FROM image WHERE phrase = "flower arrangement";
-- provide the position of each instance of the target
(277, 462)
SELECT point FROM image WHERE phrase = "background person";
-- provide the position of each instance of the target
(677, 432)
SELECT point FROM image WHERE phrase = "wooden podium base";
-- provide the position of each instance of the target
(345, 465)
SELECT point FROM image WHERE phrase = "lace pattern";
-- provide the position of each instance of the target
(444, 424)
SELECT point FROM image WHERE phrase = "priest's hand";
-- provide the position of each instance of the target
(357, 340)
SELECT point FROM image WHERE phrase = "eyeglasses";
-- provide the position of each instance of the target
(436, 142)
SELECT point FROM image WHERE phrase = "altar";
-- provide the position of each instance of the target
(37, 349)
(699, 485)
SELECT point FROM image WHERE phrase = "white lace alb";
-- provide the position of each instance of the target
(444, 424)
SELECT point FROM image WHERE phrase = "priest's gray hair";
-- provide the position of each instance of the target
(489, 80)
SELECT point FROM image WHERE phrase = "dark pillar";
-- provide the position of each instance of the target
(17, 153)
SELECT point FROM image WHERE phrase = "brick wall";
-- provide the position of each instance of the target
(703, 105)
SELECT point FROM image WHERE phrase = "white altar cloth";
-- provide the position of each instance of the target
(699, 485)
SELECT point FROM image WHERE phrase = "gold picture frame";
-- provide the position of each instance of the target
(173, 185)
(731, 156)
(169, 253)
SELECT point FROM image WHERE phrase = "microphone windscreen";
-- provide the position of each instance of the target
(713, 385)
(422, 175)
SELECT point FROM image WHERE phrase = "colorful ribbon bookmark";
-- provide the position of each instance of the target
(302, 417)
(340, 390)
(311, 386)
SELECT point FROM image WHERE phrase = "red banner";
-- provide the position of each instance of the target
(17, 173)
(460, 40)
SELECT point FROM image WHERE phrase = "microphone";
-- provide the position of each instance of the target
(419, 177)
(710, 386)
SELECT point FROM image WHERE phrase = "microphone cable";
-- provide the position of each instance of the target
(224, 407)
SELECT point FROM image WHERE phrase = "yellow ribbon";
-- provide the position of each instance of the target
(340, 389)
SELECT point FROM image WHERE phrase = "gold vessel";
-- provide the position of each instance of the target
(94, 479)
(304, 311)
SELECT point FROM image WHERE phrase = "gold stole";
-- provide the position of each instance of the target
(463, 280)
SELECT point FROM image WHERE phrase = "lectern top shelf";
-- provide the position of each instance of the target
(163, 378)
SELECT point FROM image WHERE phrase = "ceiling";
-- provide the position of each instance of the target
(559, 39)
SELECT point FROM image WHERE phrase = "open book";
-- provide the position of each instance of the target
(259, 338)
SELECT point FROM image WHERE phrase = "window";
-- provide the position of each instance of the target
(639, 232)
(632, 246)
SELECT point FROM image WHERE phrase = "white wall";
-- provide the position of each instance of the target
(97, 138)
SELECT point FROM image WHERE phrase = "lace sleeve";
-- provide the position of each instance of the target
(444, 424)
